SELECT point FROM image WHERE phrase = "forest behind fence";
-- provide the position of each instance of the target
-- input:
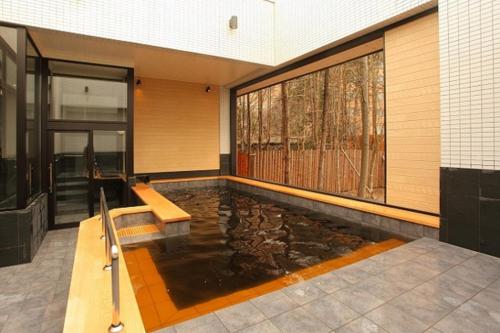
(323, 131)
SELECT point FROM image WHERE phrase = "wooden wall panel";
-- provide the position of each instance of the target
(412, 114)
(176, 126)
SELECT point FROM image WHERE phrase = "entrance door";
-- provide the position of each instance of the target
(70, 177)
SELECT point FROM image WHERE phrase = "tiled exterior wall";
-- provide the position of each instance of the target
(331, 21)
(191, 25)
(470, 83)
(268, 33)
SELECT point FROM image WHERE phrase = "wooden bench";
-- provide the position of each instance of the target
(165, 210)
(89, 306)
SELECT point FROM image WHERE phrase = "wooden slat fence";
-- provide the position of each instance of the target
(341, 169)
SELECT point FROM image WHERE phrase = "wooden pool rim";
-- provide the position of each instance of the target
(419, 218)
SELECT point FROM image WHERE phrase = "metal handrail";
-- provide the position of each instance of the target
(112, 261)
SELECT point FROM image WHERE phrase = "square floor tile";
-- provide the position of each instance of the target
(481, 278)
(380, 288)
(489, 300)
(372, 267)
(408, 275)
(240, 316)
(352, 274)
(274, 303)
(361, 325)
(358, 299)
(451, 254)
(331, 311)
(395, 320)
(303, 292)
(495, 287)
(460, 321)
(433, 263)
(329, 282)
(265, 326)
(421, 308)
(202, 321)
(299, 321)
(446, 288)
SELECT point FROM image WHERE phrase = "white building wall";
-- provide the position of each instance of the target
(198, 26)
(303, 26)
(470, 83)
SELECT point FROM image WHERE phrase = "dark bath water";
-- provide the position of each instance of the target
(238, 241)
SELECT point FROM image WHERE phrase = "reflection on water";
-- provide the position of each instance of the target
(238, 241)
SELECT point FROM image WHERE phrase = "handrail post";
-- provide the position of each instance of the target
(107, 238)
(101, 209)
(112, 263)
(116, 324)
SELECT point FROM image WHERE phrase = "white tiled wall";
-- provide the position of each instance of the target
(470, 83)
(199, 26)
(302, 26)
(268, 33)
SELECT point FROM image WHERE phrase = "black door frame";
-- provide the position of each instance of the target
(52, 194)
(49, 125)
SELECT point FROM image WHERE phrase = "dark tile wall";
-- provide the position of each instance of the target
(22, 232)
(470, 209)
(225, 164)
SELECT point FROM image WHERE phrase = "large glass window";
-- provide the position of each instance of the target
(109, 166)
(33, 121)
(8, 114)
(322, 131)
(109, 153)
(87, 92)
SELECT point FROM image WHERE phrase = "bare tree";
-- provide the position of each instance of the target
(322, 140)
(249, 137)
(375, 75)
(259, 119)
(365, 146)
(284, 132)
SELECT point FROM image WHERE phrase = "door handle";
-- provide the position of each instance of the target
(50, 178)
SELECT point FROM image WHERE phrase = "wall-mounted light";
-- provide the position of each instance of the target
(233, 22)
(86, 89)
(208, 89)
(138, 82)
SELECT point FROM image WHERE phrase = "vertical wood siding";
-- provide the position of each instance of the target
(412, 114)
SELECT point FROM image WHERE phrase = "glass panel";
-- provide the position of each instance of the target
(109, 166)
(33, 121)
(71, 177)
(322, 131)
(88, 99)
(8, 121)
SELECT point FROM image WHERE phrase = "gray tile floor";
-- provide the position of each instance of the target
(33, 296)
(422, 286)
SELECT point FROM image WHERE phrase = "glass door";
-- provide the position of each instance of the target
(70, 177)
(109, 151)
